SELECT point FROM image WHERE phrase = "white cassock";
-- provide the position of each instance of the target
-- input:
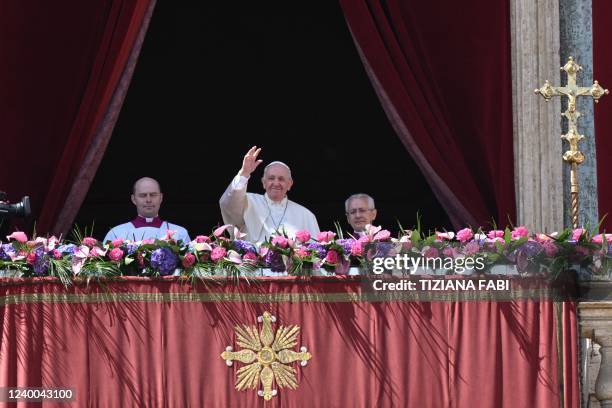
(259, 217)
(146, 228)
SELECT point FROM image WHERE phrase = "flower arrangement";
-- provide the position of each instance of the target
(225, 254)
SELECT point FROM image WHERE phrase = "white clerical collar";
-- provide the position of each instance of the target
(281, 203)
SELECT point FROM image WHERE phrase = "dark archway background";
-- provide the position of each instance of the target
(213, 80)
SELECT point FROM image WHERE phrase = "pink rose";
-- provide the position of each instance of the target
(577, 233)
(202, 238)
(430, 252)
(495, 234)
(280, 241)
(57, 254)
(18, 236)
(598, 239)
(115, 254)
(357, 249)
(302, 236)
(250, 257)
(550, 249)
(89, 241)
(465, 234)
(218, 253)
(520, 232)
(332, 257)
(117, 242)
(326, 236)
(188, 260)
(445, 235)
(381, 235)
(31, 258)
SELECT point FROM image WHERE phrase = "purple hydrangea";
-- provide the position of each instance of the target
(41, 265)
(131, 248)
(6, 250)
(527, 252)
(346, 244)
(67, 249)
(318, 248)
(164, 260)
(244, 246)
(275, 261)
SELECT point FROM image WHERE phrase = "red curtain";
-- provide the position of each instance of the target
(61, 66)
(158, 343)
(602, 71)
(443, 75)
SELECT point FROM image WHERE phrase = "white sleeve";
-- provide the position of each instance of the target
(233, 202)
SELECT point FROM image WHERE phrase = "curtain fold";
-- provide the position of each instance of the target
(66, 63)
(445, 85)
(602, 71)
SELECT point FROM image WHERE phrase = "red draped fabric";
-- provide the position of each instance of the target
(158, 343)
(61, 66)
(602, 71)
(443, 76)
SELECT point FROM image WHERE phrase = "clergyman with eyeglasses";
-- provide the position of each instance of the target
(360, 211)
(147, 197)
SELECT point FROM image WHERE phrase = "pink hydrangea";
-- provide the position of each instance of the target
(90, 241)
(301, 252)
(250, 257)
(495, 234)
(57, 254)
(520, 232)
(117, 242)
(188, 260)
(430, 252)
(577, 233)
(332, 257)
(550, 249)
(202, 238)
(280, 241)
(326, 236)
(356, 249)
(451, 252)
(382, 235)
(115, 254)
(218, 253)
(302, 236)
(465, 234)
(18, 236)
(471, 248)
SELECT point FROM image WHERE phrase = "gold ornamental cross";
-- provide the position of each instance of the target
(268, 355)
(573, 156)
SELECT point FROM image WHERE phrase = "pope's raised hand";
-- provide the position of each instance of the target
(250, 162)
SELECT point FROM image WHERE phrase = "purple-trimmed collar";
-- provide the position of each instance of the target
(141, 222)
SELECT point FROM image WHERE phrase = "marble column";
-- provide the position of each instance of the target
(595, 319)
(576, 39)
(537, 125)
